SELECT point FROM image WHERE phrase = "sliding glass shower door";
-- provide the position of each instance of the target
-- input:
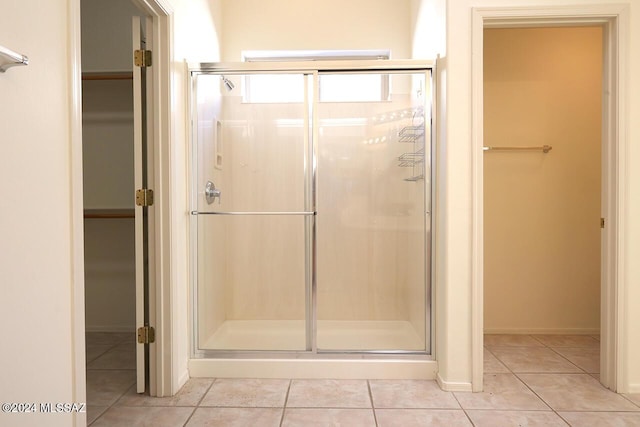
(371, 204)
(311, 212)
(251, 194)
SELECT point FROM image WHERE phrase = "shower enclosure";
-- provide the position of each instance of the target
(311, 209)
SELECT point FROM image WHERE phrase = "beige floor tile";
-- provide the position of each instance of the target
(189, 395)
(105, 387)
(510, 340)
(110, 338)
(121, 356)
(94, 412)
(586, 358)
(502, 391)
(296, 417)
(236, 417)
(493, 365)
(533, 360)
(127, 416)
(329, 394)
(247, 393)
(576, 392)
(568, 340)
(93, 351)
(635, 398)
(410, 394)
(515, 419)
(422, 417)
(602, 419)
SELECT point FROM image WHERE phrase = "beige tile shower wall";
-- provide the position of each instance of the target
(366, 232)
(542, 231)
(263, 171)
(378, 228)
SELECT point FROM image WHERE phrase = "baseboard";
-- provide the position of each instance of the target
(452, 386)
(633, 389)
(542, 331)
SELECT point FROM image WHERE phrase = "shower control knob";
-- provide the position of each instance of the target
(211, 193)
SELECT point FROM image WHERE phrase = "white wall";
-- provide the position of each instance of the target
(196, 31)
(310, 24)
(455, 224)
(38, 273)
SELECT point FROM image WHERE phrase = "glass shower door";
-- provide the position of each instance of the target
(252, 155)
(373, 202)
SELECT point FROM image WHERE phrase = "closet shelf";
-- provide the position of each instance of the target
(109, 213)
(127, 75)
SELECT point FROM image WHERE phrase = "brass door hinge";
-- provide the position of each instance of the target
(144, 197)
(601, 222)
(146, 335)
(142, 58)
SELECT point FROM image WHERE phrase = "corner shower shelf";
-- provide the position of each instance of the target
(413, 134)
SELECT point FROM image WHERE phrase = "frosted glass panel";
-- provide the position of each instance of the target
(371, 244)
(252, 272)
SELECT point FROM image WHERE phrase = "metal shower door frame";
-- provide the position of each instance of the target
(315, 69)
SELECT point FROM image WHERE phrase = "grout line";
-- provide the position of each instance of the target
(373, 408)
(190, 416)
(565, 358)
(466, 414)
(624, 396)
(525, 384)
(205, 393)
(286, 400)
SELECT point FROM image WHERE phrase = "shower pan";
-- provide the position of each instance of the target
(311, 211)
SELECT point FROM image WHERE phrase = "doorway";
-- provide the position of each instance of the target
(542, 191)
(613, 171)
(542, 209)
(118, 260)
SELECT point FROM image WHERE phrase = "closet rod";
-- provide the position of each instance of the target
(9, 58)
(544, 148)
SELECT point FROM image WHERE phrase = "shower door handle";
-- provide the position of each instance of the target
(211, 193)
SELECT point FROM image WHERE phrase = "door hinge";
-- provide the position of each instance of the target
(142, 58)
(144, 197)
(601, 222)
(146, 335)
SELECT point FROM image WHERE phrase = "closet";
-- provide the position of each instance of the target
(542, 87)
(108, 165)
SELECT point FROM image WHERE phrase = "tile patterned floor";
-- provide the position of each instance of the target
(530, 380)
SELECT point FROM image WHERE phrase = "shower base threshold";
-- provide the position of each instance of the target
(333, 335)
(274, 336)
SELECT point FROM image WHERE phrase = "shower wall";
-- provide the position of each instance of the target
(370, 221)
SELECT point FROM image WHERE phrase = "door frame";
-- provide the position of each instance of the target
(160, 11)
(614, 19)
